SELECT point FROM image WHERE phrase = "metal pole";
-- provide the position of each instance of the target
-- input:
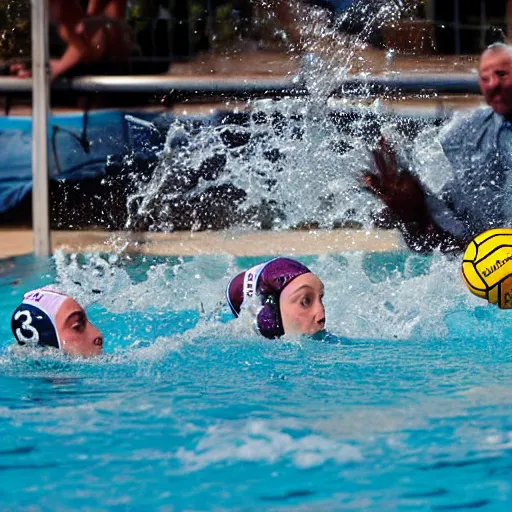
(457, 27)
(483, 24)
(40, 104)
(430, 10)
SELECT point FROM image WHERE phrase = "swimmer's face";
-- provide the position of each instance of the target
(495, 78)
(302, 310)
(78, 337)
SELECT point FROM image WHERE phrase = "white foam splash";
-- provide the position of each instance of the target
(377, 296)
(296, 159)
(260, 441)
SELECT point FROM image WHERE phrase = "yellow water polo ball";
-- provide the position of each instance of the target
(487, 266)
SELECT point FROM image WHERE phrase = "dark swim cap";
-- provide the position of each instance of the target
(265, 281)
(33, 321)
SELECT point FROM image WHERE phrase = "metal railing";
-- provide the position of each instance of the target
(165, 84)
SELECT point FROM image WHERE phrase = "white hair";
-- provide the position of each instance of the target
(498, 47)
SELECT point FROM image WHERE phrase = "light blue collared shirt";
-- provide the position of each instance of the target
(505, 142)
(475, 197)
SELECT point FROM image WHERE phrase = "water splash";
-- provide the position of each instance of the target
(287, 163)
(282, 163)
(259, 441)
(378, 295)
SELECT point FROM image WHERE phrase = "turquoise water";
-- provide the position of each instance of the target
(406, 405)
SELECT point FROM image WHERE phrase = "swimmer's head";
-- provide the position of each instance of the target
(290, 295)
(48, 318)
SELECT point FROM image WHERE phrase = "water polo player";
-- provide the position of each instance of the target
(48, 318)
(285, 296)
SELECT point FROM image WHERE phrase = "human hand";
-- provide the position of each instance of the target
(400, 191)
(20, 71)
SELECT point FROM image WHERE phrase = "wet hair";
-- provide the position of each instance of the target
(33, 321)
(265, 282)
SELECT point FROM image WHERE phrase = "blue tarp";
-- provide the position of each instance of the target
(74, 154)
(80, 145)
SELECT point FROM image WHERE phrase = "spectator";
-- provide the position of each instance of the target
(94, 37)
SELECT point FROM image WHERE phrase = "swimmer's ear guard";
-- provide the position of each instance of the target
(269, 320)
(32, 326)
(487, 267)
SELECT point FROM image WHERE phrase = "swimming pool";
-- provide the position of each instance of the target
(406, 406)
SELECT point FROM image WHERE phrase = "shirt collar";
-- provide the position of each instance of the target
(501, 122)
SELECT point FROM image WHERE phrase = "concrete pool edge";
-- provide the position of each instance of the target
(185, 243)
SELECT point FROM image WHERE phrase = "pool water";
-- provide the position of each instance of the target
(406, 405)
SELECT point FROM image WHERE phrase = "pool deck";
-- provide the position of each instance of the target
(17, 242)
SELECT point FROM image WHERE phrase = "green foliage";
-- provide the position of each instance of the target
(142, 9)
(15, 38)
(224, 24)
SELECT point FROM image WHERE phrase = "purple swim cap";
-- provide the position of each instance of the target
(266, 281)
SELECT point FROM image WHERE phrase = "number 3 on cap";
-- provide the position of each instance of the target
(26, 325)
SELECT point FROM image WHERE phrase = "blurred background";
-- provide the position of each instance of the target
(169, 32)
(109, 150)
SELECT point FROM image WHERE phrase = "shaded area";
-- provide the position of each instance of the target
(463, 506)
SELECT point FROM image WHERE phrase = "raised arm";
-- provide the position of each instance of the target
(406, 200)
